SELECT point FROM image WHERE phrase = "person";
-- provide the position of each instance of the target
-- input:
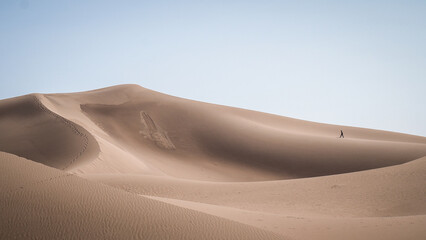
(341, 134)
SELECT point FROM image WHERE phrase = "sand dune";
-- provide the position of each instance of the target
(127, 162)
(41, 202)
(391, 191)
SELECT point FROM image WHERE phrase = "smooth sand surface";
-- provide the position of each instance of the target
(126, 162)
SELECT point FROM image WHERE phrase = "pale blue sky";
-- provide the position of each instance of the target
(357, 63)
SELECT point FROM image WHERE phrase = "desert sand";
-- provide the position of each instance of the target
(126, 162)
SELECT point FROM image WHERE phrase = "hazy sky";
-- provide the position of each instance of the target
(358, 63)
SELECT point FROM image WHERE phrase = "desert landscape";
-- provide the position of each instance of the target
(126, 162)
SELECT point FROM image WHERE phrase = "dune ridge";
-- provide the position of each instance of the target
(27, 121)
(126, 162)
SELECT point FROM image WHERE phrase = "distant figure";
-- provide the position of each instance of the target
(341, 134)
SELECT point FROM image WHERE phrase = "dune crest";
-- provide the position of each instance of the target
(31, 130)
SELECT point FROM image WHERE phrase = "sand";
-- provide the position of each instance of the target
(126, 162)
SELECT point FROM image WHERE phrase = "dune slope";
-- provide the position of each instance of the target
(385, 203)
(29, 129)
(154, 133)
(39, 202)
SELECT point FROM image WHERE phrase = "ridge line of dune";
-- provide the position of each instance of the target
(71, 125)
(165, 201)
(39, 182)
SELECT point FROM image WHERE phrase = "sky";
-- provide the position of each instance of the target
(355, 63)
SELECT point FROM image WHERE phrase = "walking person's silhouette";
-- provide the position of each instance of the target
(341, 134)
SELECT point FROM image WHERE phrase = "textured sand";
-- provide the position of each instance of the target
(126, 162)
(41, 202)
